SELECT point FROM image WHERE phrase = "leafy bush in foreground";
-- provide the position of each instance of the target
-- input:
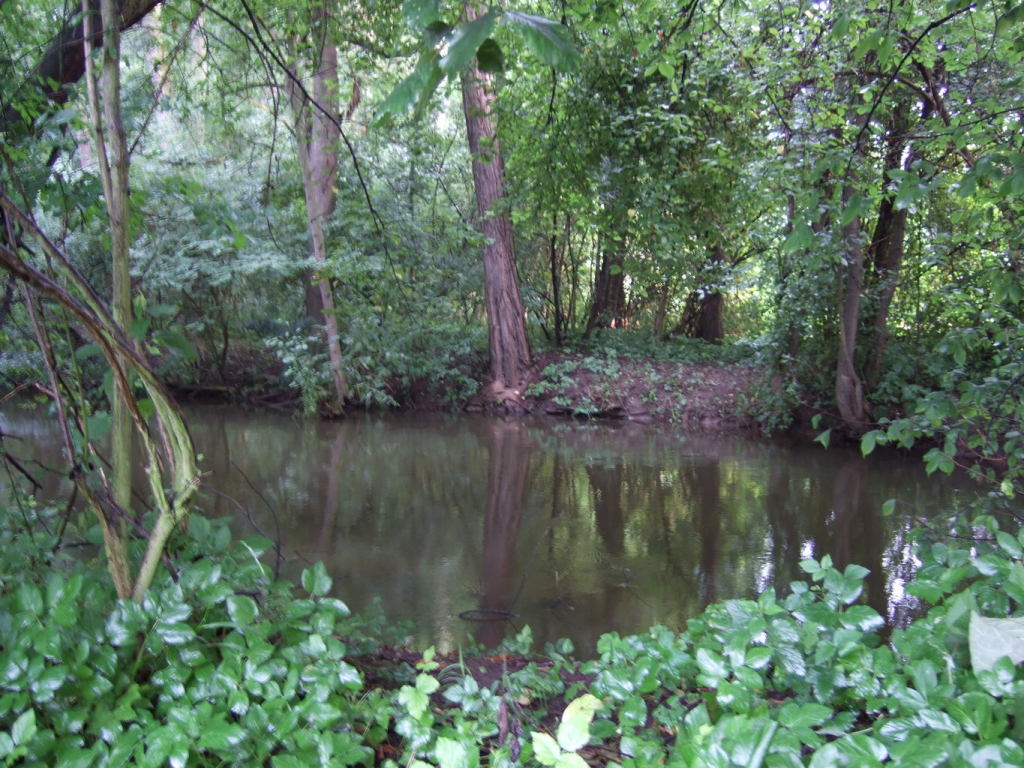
(227, 666)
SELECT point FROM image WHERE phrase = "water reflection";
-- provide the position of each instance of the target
(576, 529)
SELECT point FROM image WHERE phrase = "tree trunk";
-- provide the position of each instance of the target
(608, 305)
(849, 389)
(886, 250)
(710, 325)
(317, 136)
(506, 321)
(64, 61)
(112, 157)
(556, 259)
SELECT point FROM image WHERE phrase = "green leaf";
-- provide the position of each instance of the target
(24, 728)
(548, 40)
(451, 753)
(242, 609)
(763, 743)
(30, 598)
(758, 657)
(824, 438)
(427, 683)
(855, 208)
(801, 237)
(465, 41)
(804, 716)
(416, 89)
(1009, 544)
(175, 341)
(992, 639)
(174, 632)
(416, 702)
(545, 749)
(711, 663)
(936, 459)
(219, 735)
(1012, 17)
(315, 580)
(419, 14)
(570, 760)
(888, 507)
(574, 730)
(868, 441)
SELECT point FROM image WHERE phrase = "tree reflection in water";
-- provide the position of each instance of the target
(509, 449)
(576, 528)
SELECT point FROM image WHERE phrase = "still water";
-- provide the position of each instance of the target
(574, 529)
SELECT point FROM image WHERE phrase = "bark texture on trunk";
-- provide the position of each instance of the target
(506, 320)
(608, 305)
(849, 388)
(885, 254)
(317, 136)
(710, 325)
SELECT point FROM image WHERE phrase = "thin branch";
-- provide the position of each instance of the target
(876, 102)
(261, 44)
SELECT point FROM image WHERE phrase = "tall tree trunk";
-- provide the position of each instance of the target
(608, 304)
(556, 259)
(506, 321)
(886, 250)
(112, 156)
(849, 389)
(317, 136)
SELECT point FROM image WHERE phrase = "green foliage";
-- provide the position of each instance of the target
(225, 666)
(303, 357)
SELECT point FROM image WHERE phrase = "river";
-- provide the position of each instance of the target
(473, 527)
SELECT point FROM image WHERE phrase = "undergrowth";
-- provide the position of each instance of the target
(226, 665)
